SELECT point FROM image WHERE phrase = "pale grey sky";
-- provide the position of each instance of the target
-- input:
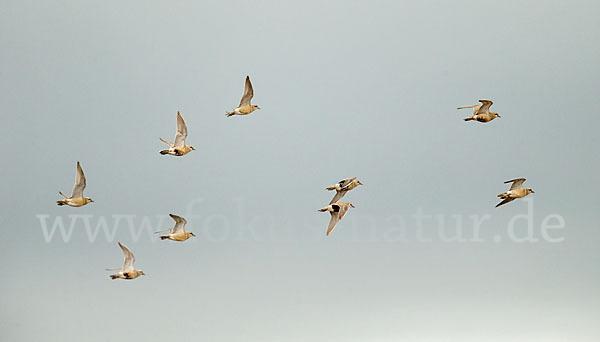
(348, 88)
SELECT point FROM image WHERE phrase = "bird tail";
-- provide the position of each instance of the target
(163, 237)
(502, 195)
(323, 209)
(164, 152)
(469, 119)
(114, 276)
(61, 203)
(228, 114)
(330, 188)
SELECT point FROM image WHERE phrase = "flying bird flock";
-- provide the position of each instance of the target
(336, 209)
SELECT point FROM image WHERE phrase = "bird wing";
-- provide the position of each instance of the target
(506, 200)
(248, 93)
(335, 217)
(166, 142)
(129, 258)
(346, 182)
(180, 223)
(79, 182)
(517, 183)
(339, 210)
(181, 133)
(463, 107)
(475, 108)
(485, 106)
(338, 195)
(344, 209)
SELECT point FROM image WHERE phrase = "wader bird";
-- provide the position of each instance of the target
(179, 148)
(481, 112)
(177, 233)
(76, 199)
(337, 211)
(342, 187)
(245, 106)
(516, 191)
(127, 271)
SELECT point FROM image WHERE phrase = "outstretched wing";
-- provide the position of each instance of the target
(338, 195)
(248, 93)
(517, 183)
(129, 258)
(475, 108)
(79, 182)
(181, 133)
(506, 200)
(485, 106)
(464, 107)
(166, 142)
(335, 218)
(344, 209)
(339, 210)
(180, 223)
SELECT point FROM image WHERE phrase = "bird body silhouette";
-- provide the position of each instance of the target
(342, 187)
(76, 199)
(127, 271)
(337, 211)
(178, 148)
(177, 233)
(245, 107)
(517, 190)
(481, 112)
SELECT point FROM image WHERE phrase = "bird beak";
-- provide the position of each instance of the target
(257, 107)
(533, 192)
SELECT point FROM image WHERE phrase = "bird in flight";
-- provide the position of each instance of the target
(481, 112)
(177, 233)
(517, 190)
(245, 106)
(76, 199)
(337, 211)
(127, 271)
(342, 187)
(179, 148)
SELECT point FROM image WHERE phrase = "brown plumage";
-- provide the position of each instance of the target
(177, 233)
(76, 199)
(517, 190)
(337, 211)
(481, 112)
(342, 187)
(127, 271)
(178, 148)
(245, 107)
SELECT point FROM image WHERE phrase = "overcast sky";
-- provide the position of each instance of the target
(347, 88)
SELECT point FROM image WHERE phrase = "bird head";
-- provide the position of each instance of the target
(192, 148)
(88, 200)
(255, 107)
(192, 234)
(352, 205)
(142, 272)
(496, 115)
(530, 191)
(359, 183)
